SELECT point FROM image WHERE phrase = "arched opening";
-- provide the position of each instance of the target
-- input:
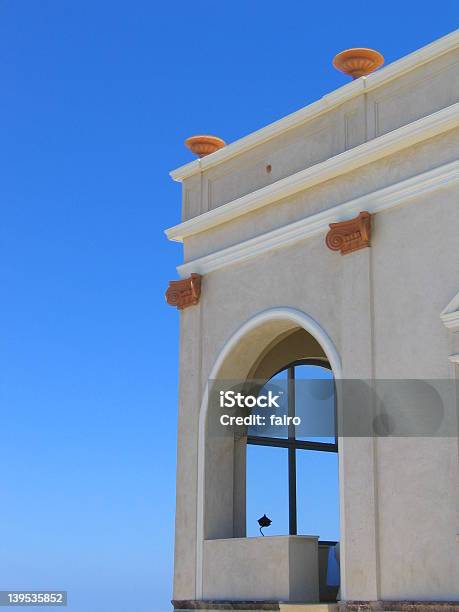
(276, 344)
(291, 471)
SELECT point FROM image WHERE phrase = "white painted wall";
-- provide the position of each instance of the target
(257, 569)
(378, 308)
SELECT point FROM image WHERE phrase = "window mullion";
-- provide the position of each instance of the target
(291, 454)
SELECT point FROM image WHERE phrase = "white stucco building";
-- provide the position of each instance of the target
(374, 299)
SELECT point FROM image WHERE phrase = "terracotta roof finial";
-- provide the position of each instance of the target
(358, 62)
(204, 144)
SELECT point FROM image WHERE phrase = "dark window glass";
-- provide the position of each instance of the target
(292, 473)
(278, 385)
(267, 489)
(315, 403)
(317, 494)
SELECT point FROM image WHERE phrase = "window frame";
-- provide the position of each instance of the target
(291, 443)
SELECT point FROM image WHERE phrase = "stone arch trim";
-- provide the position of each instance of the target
(270, 315)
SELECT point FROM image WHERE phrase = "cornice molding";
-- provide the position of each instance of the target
(377, 201)
(450, 314)
(366, 153)
(325, 104)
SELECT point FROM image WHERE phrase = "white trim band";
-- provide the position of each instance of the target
(326, 103)
(377, 201)
(366, 153)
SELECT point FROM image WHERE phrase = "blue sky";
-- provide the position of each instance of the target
(96, 99)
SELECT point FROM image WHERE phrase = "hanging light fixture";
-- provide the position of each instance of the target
(264, 521)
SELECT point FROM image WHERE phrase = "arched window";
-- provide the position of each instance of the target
(292, 472)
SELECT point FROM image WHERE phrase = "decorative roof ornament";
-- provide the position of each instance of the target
(185, 292)
(204, 144)
(349, 236)
(358, 62)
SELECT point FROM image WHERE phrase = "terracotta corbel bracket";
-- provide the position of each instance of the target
(185, 292)
(349, 236)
